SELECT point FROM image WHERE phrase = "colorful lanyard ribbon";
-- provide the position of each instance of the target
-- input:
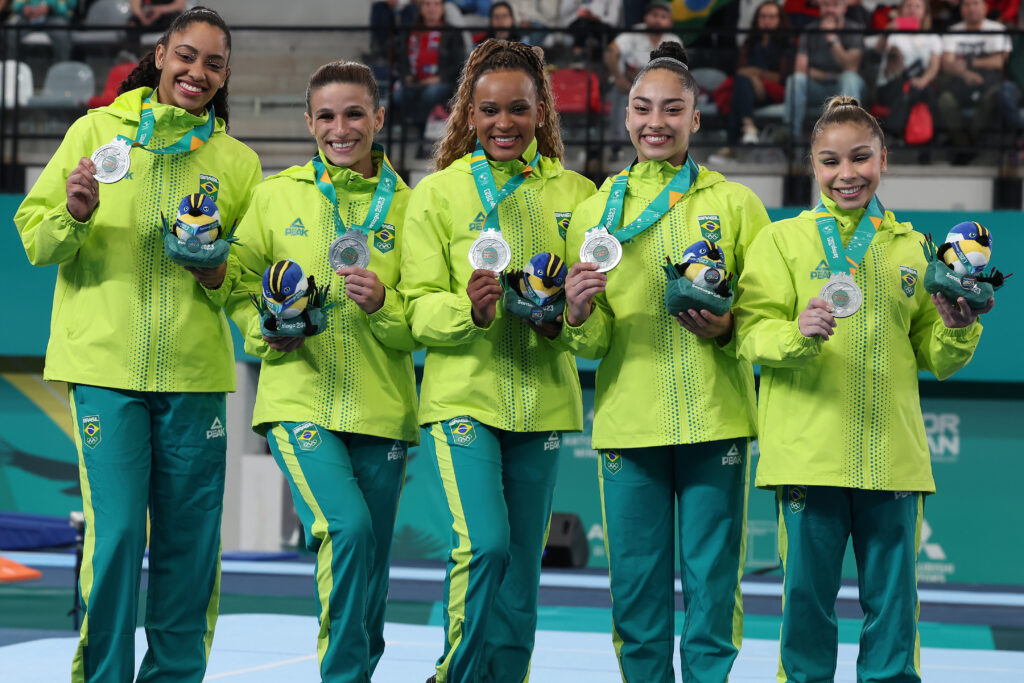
(490, 196)
(192, 140)
(381, 198)
(678, 186)
(846, 260)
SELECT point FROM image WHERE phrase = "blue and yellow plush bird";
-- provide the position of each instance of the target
(285, 289)
(543, 278)
(704, 265)
(197, 218)
(969, 241)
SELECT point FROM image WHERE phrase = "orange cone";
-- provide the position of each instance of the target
(11, 571)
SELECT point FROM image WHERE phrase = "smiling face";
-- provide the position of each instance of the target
(848, 162)
(344, 121)
(505, 111)
(661, 117)
(193, 67)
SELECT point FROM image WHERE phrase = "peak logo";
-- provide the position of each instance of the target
(733, 457)
(296, 229)
(822, 272)
(216, 430)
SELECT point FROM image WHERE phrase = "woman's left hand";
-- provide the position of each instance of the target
(211, 278)
(960, 315)
(550, 329)
(706, 324)
(363, 287)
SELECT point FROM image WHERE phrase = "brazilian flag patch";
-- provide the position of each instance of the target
(711, 227)
(91, 433)
(797, 498)
(384, 239)
(612, 461)
(209, 185)
(563, 218)
(463, 431)
(307, 436)
(908, 279)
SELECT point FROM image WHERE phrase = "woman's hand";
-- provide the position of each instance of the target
(707, 325)
(285, 344)
(960, 315)
(581, 286)
(211, 278)
(83, 190)
(363, 287)
(816, 320)
(484, 291)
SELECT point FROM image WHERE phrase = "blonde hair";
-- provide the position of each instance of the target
(498, 55)
(846, 109)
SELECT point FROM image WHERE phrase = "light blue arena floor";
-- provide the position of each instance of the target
(275, 648)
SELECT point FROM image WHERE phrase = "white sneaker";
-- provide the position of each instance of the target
(722, 156)
(750, 135)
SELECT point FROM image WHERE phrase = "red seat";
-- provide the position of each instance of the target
(576, 91)
(114, 79)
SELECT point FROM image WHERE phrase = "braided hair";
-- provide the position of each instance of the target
(498, 55)
(146, 75)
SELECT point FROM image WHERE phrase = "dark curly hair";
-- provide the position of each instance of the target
(146, 75)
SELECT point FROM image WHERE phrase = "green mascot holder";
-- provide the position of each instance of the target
(191, 253)
(311, 321)
(976, 289)
(517, 305)
(681, 294)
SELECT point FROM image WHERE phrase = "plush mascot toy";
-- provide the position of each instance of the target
(699, 281)
(292, 305)
(537, 292)
(196, 238)
(957, 267)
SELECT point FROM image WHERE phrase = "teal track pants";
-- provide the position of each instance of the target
(705, 485)
(499, 487)
(164, 452)
(814, 525)
(346, 489)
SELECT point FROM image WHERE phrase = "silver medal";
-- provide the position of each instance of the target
(490, 251)
(349, 250)
(842, 294)
(600, 247)
(112, 162)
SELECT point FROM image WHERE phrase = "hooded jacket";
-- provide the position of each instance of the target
(659, 384)
(505, 375)
(124, 316)
(357, 375)
(844, 412)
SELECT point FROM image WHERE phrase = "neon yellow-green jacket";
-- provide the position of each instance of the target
(124, 316)
(357, 375)
(505, 375)
(844, 412)
(659, 384)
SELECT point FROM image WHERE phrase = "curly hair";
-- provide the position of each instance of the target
(498, 55)
(146, 75)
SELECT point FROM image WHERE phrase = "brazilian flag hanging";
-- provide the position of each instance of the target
(691, 15)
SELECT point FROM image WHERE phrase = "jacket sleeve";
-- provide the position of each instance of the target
(592, 339)
(437, 315)
(49, 233)
(766, 330)
(250, 256)
(388, 323)
(232, 276)
(941, 350)
(749, 217)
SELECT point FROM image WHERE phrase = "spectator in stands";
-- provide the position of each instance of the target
(5, 9)
(503, 23)
(910, 63)
(826, 64)
(542, 14)
(765, 60)
(430, 66)
(155, 15)
(385, 17)
(630, 52)
(50, 14)
(595, 20)
(972, 67)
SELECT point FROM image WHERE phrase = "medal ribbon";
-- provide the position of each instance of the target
(490, 196)
(678, 186)
(846, 260)
(380, 203)
(192, 140)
